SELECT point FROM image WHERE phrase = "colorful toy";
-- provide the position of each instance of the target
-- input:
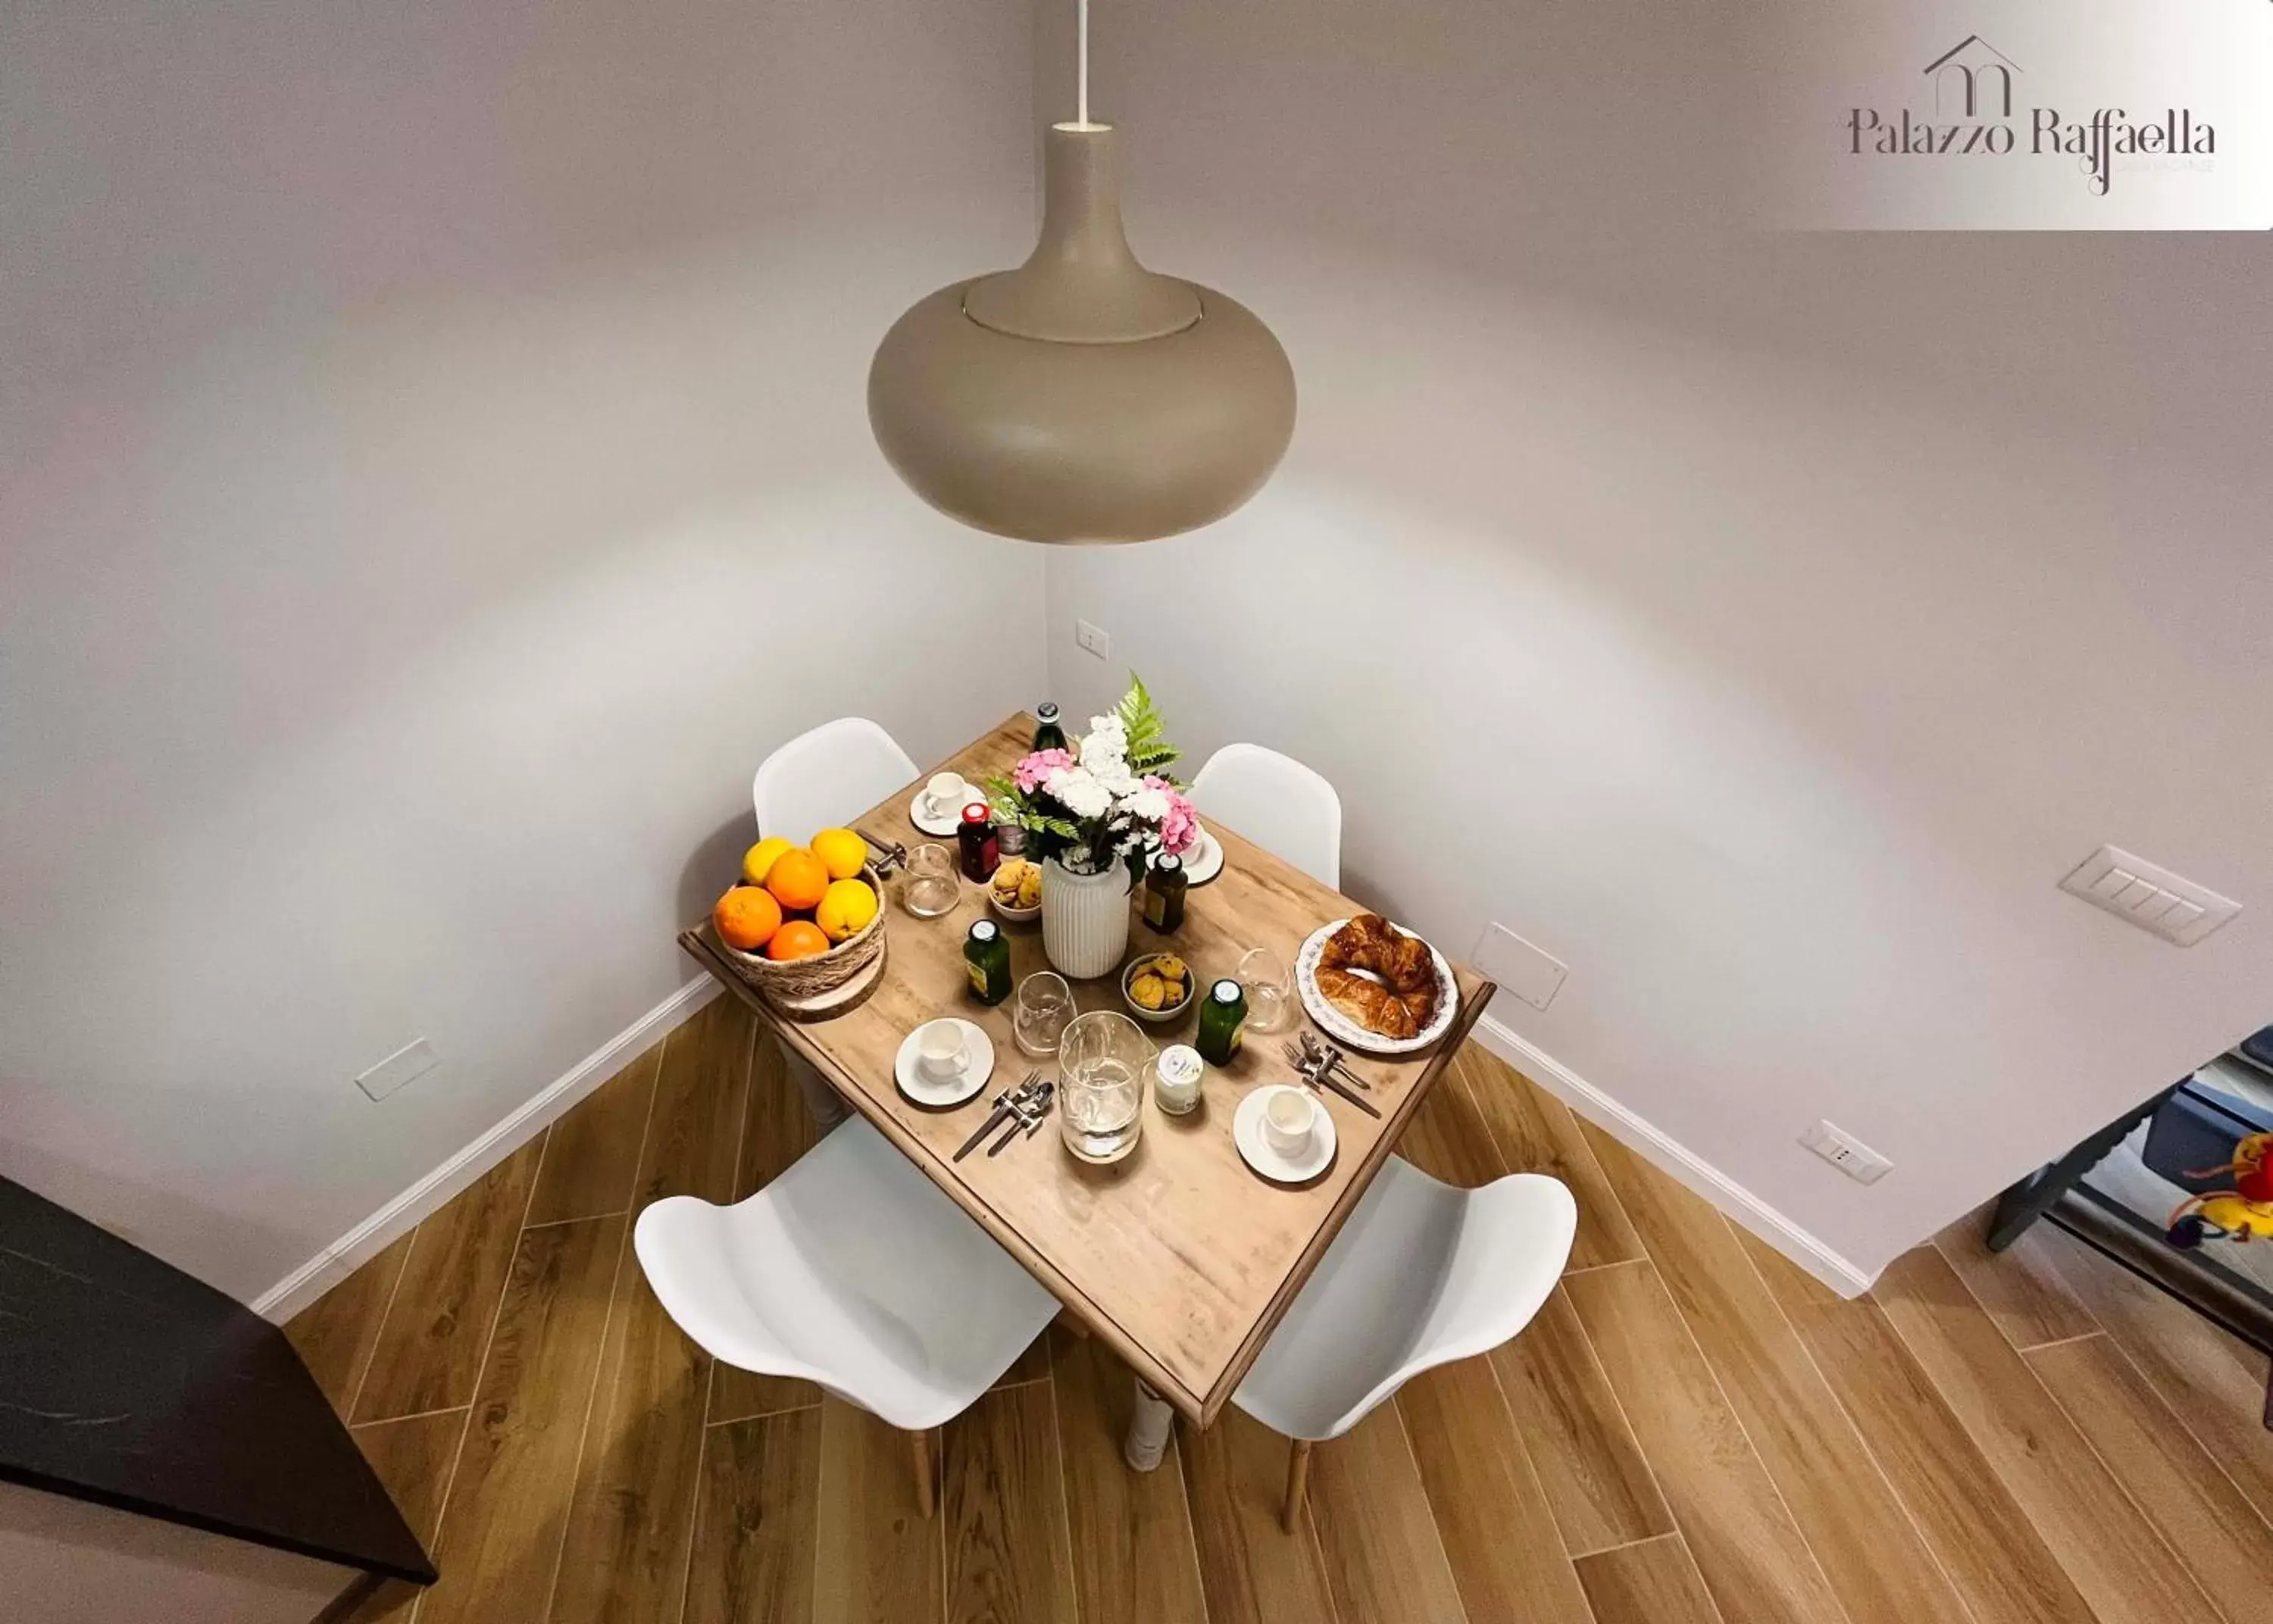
(2243, 1213)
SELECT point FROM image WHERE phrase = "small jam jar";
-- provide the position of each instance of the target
(980, 849)
(1176, 1077)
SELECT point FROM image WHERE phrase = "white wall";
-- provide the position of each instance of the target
(1762, 624)
(433, 471)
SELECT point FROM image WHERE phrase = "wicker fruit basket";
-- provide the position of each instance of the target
(818, 984)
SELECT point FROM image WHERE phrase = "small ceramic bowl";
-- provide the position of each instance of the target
(1020, 914)
(1012, 910)
(1157, 1017)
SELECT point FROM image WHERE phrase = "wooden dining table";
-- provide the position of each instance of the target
(1178, 1256)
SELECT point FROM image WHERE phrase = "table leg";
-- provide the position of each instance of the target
(1148, 1429)
(827, 1105)
(2025, 1203)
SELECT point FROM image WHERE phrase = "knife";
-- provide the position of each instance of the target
(1348, 1093)
(1002, 1107)
(1039, 1107)
(1320, 1074)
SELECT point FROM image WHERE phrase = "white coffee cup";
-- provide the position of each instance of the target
(1288, 1118)
(945, 796)
(941, 1054)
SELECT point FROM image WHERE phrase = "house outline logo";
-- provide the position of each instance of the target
(1946, 69)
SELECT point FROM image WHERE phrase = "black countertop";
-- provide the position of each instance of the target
(125, 1382)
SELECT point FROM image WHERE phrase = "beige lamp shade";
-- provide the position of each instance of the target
(1082, 398)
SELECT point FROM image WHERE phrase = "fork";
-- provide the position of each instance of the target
(1325, 1056)
(1317, 1075)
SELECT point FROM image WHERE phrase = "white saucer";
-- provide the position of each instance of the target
(1257, 1152)
(978, 1052)
(1205, 861)
(940, 826)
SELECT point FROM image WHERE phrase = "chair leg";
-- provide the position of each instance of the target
(927, 1474)
(1298, 1477)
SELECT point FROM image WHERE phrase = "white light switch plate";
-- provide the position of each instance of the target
(413, 1061)
(2137, 892)
(1523, 970)
(1094, 638)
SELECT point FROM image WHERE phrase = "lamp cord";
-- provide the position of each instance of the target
(1084, 62)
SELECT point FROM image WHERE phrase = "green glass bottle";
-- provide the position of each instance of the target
(1164, 894)
(987, 957)
(1050, 735)
(1223, 1021)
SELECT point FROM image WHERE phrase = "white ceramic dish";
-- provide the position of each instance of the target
(1205, 861)
(1342, 1030)
(942, 828)
(1258, 1152)
(979, 1054)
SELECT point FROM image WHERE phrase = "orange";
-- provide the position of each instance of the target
(799, 938)
(758, 861)
(746, 919)
(842, 852)
(846, 912)
(798, 878)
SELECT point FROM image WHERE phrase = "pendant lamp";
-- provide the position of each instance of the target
(1081, 397)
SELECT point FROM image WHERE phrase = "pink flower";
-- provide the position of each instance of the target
(1180, 829)
(1032, 770)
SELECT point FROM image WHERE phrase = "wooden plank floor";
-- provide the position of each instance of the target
(1692, 1431)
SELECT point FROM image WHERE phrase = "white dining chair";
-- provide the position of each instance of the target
(1421, 1273)
(854, 1271)
(820, 779)
(824, 778)
(1278, 803)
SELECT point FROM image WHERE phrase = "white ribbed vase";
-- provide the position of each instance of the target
(1085, 918)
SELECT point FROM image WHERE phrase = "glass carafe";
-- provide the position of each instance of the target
(1102, 1058)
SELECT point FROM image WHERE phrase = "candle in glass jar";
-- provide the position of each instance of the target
(1176, 1078)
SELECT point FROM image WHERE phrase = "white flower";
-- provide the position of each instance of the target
(1079, 789)
(1150, 806)
(1105, 744)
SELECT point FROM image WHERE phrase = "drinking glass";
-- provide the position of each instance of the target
(1045, 1006)
(931, 887)
(1270, 989)
(1102, 1058)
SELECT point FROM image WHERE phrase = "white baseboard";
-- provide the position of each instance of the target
(1676, 1158)
(304, 1285)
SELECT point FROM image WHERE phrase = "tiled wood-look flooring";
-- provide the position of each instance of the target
(1692, 1430)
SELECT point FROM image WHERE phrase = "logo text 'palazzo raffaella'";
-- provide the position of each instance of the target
(1972, 115)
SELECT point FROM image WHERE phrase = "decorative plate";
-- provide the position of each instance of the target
(1205, 861)
(1342, 1030)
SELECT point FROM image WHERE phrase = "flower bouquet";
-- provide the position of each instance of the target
(1095, 813)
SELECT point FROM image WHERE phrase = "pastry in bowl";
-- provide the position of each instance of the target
(1380, 977)
(1015, 887)
(1158, 987)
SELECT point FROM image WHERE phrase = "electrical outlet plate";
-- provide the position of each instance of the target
(1093, 637)
(1850, 1155)
(413, 1061)
(2139, 893)
(1523, 970)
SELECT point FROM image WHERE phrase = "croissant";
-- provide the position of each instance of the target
(1404, 1000)
(1357, 943)
(1406, 965)
(1368, 1003)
